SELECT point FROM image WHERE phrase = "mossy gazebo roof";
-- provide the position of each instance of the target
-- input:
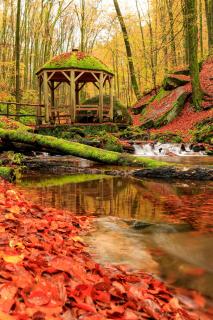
(75, 60)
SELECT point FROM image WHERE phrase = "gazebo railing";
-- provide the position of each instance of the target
(8, 109)
(61, 113)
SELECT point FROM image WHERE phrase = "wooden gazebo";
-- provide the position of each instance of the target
(76, 69)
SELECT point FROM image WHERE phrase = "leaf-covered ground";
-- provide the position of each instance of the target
(187, 119)
(46, 272)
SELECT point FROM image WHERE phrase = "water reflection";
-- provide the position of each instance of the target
(182, 259)
(126, 198)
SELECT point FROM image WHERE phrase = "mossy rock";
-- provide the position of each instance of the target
(166, 136)
(203, 131)
(171, 82)
(134, 133)
(170, 114)
(120, 112)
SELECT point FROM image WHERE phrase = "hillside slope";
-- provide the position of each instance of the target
(171, 108)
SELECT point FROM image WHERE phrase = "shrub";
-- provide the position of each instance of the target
(120, 112)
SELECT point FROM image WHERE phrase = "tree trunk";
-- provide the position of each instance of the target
(192, 37)
(128, 51)
(201, 27)
(172, 34)
(76, 149)
(186, 32)
(209, 19)
(142, 41)
(17, 55)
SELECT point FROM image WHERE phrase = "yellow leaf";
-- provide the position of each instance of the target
(79, 239)
(10, 216)
(13, 244)
(13, 259)
(4, 316)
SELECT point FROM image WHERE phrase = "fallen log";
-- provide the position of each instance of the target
(76, 149)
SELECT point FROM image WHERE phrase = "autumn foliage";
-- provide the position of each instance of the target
(46, 272)
(188, 117)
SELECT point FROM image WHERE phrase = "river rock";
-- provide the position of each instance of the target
(145, 227)
(196, 173)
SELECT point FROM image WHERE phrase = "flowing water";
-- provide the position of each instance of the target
(175, 247)
(165, 149)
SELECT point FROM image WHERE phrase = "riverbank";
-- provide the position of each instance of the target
(47, 271)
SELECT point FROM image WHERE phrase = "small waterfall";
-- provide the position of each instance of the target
(165, 149)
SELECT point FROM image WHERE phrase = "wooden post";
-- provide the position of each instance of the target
(72, 96)
(52, 94)
(38, 110)
(111, 98)
(77, 93)
(46, 102)
(101, 97)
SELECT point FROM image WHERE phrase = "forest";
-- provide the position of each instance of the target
(106, 144)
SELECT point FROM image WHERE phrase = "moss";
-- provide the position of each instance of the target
(77, 149)
(203, 131)
(160, 95)
(173, 112)
(6, 123)
(7, 173)
(60, 181)
(167, 136)
(78, 60)
(134, 133)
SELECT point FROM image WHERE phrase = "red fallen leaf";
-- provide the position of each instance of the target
(38, 297)
(101, 296)
(130, 315)
(119, 286)
(7, 295)
(115, 310)
(85, 307)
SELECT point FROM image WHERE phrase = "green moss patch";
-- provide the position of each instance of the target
(7, 173)
(78, 60)
(6, 123)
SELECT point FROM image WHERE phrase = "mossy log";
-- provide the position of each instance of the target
(62, 146)
(7, 173)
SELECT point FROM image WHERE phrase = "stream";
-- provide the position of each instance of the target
(175, 246)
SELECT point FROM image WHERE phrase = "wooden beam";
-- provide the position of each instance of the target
(76, 78)
(111, 98)
(52, 74)
(38, 110)
(66, 76)
(94, 75)
(46, 102)
(72, 96)
(101, 98)
(52, 94)
(57, 85)
(95, 84)
(81, 87)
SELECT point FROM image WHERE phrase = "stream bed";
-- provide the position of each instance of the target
(176, 246)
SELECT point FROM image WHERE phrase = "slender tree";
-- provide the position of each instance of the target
(128, 51)
(192, 38)
(169, 4)
(209, 19)
(17, 54)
